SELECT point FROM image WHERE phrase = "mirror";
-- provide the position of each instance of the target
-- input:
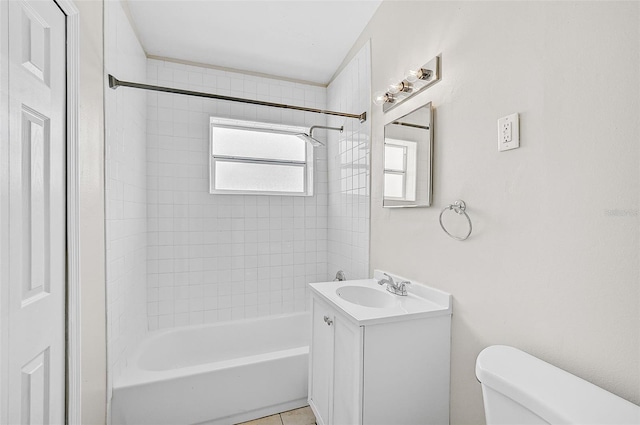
(408, 148)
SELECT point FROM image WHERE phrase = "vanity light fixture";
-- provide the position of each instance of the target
(417, 78)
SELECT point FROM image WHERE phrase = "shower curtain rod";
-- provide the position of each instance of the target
(114, 83)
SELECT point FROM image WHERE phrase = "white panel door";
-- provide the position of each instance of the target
(34, 279)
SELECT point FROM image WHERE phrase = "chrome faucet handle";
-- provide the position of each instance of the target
(388, 281)
(402, 287)
(398, 288)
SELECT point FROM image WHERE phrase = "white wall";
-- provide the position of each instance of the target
(222, 257)
(91, 212)
(126, 191)
(552, 264)
(348, 162)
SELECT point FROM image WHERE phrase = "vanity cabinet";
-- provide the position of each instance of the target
(336, 367)
(382, 372)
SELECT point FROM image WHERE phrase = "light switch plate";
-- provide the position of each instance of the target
(508, 132)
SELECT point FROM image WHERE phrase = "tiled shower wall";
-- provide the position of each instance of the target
(126, 193)
(349, 171)
(221, 257)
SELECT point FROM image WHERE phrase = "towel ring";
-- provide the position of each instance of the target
(459, 208)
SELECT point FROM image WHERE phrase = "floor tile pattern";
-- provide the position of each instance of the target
(303, 416)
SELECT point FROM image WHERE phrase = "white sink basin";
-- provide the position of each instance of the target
(366, 302)
(367, 297)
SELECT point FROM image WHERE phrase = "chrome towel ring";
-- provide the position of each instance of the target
(459, 207)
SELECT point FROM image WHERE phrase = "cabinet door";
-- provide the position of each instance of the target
(321, 368)
(347, 372)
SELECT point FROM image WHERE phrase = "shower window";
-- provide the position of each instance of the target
(250, 157)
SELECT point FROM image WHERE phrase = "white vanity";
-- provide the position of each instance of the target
(378, 357)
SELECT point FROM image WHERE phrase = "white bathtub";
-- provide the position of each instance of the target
(216, 374)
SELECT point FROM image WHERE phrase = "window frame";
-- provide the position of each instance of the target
(398, 172)
(307, 165)
(408, 168)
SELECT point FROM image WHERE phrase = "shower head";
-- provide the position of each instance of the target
(315, 142)
(307, 138)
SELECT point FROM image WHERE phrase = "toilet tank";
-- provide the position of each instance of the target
(518, 388)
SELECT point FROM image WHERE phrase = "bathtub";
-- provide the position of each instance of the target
(215, 374)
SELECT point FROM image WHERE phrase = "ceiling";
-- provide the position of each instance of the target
(301, 40)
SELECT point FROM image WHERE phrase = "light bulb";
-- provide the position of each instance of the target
(414, 74)
(395, 86)
(411, 74)
(381, 97)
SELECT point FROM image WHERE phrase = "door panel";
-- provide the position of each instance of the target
(347, 364)
(35, 44)
(321, 361)
(35, 390)
(35, 206)
(36, 279)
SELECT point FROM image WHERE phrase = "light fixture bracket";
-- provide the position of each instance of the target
(407, 87)
(428, 75)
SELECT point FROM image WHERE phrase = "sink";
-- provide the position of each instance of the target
(366, 302)
(366, 297)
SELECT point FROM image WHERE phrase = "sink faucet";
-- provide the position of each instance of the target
(340, 276)
(398, 288)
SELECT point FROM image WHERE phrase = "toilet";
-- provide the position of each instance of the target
(518, 388)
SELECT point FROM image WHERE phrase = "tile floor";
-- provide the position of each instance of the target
(303, 416)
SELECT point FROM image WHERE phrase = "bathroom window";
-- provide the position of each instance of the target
(400, 169)
(250, 157)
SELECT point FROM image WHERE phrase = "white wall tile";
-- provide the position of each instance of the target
(226, 249)
(126, 193)
(347, 218)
